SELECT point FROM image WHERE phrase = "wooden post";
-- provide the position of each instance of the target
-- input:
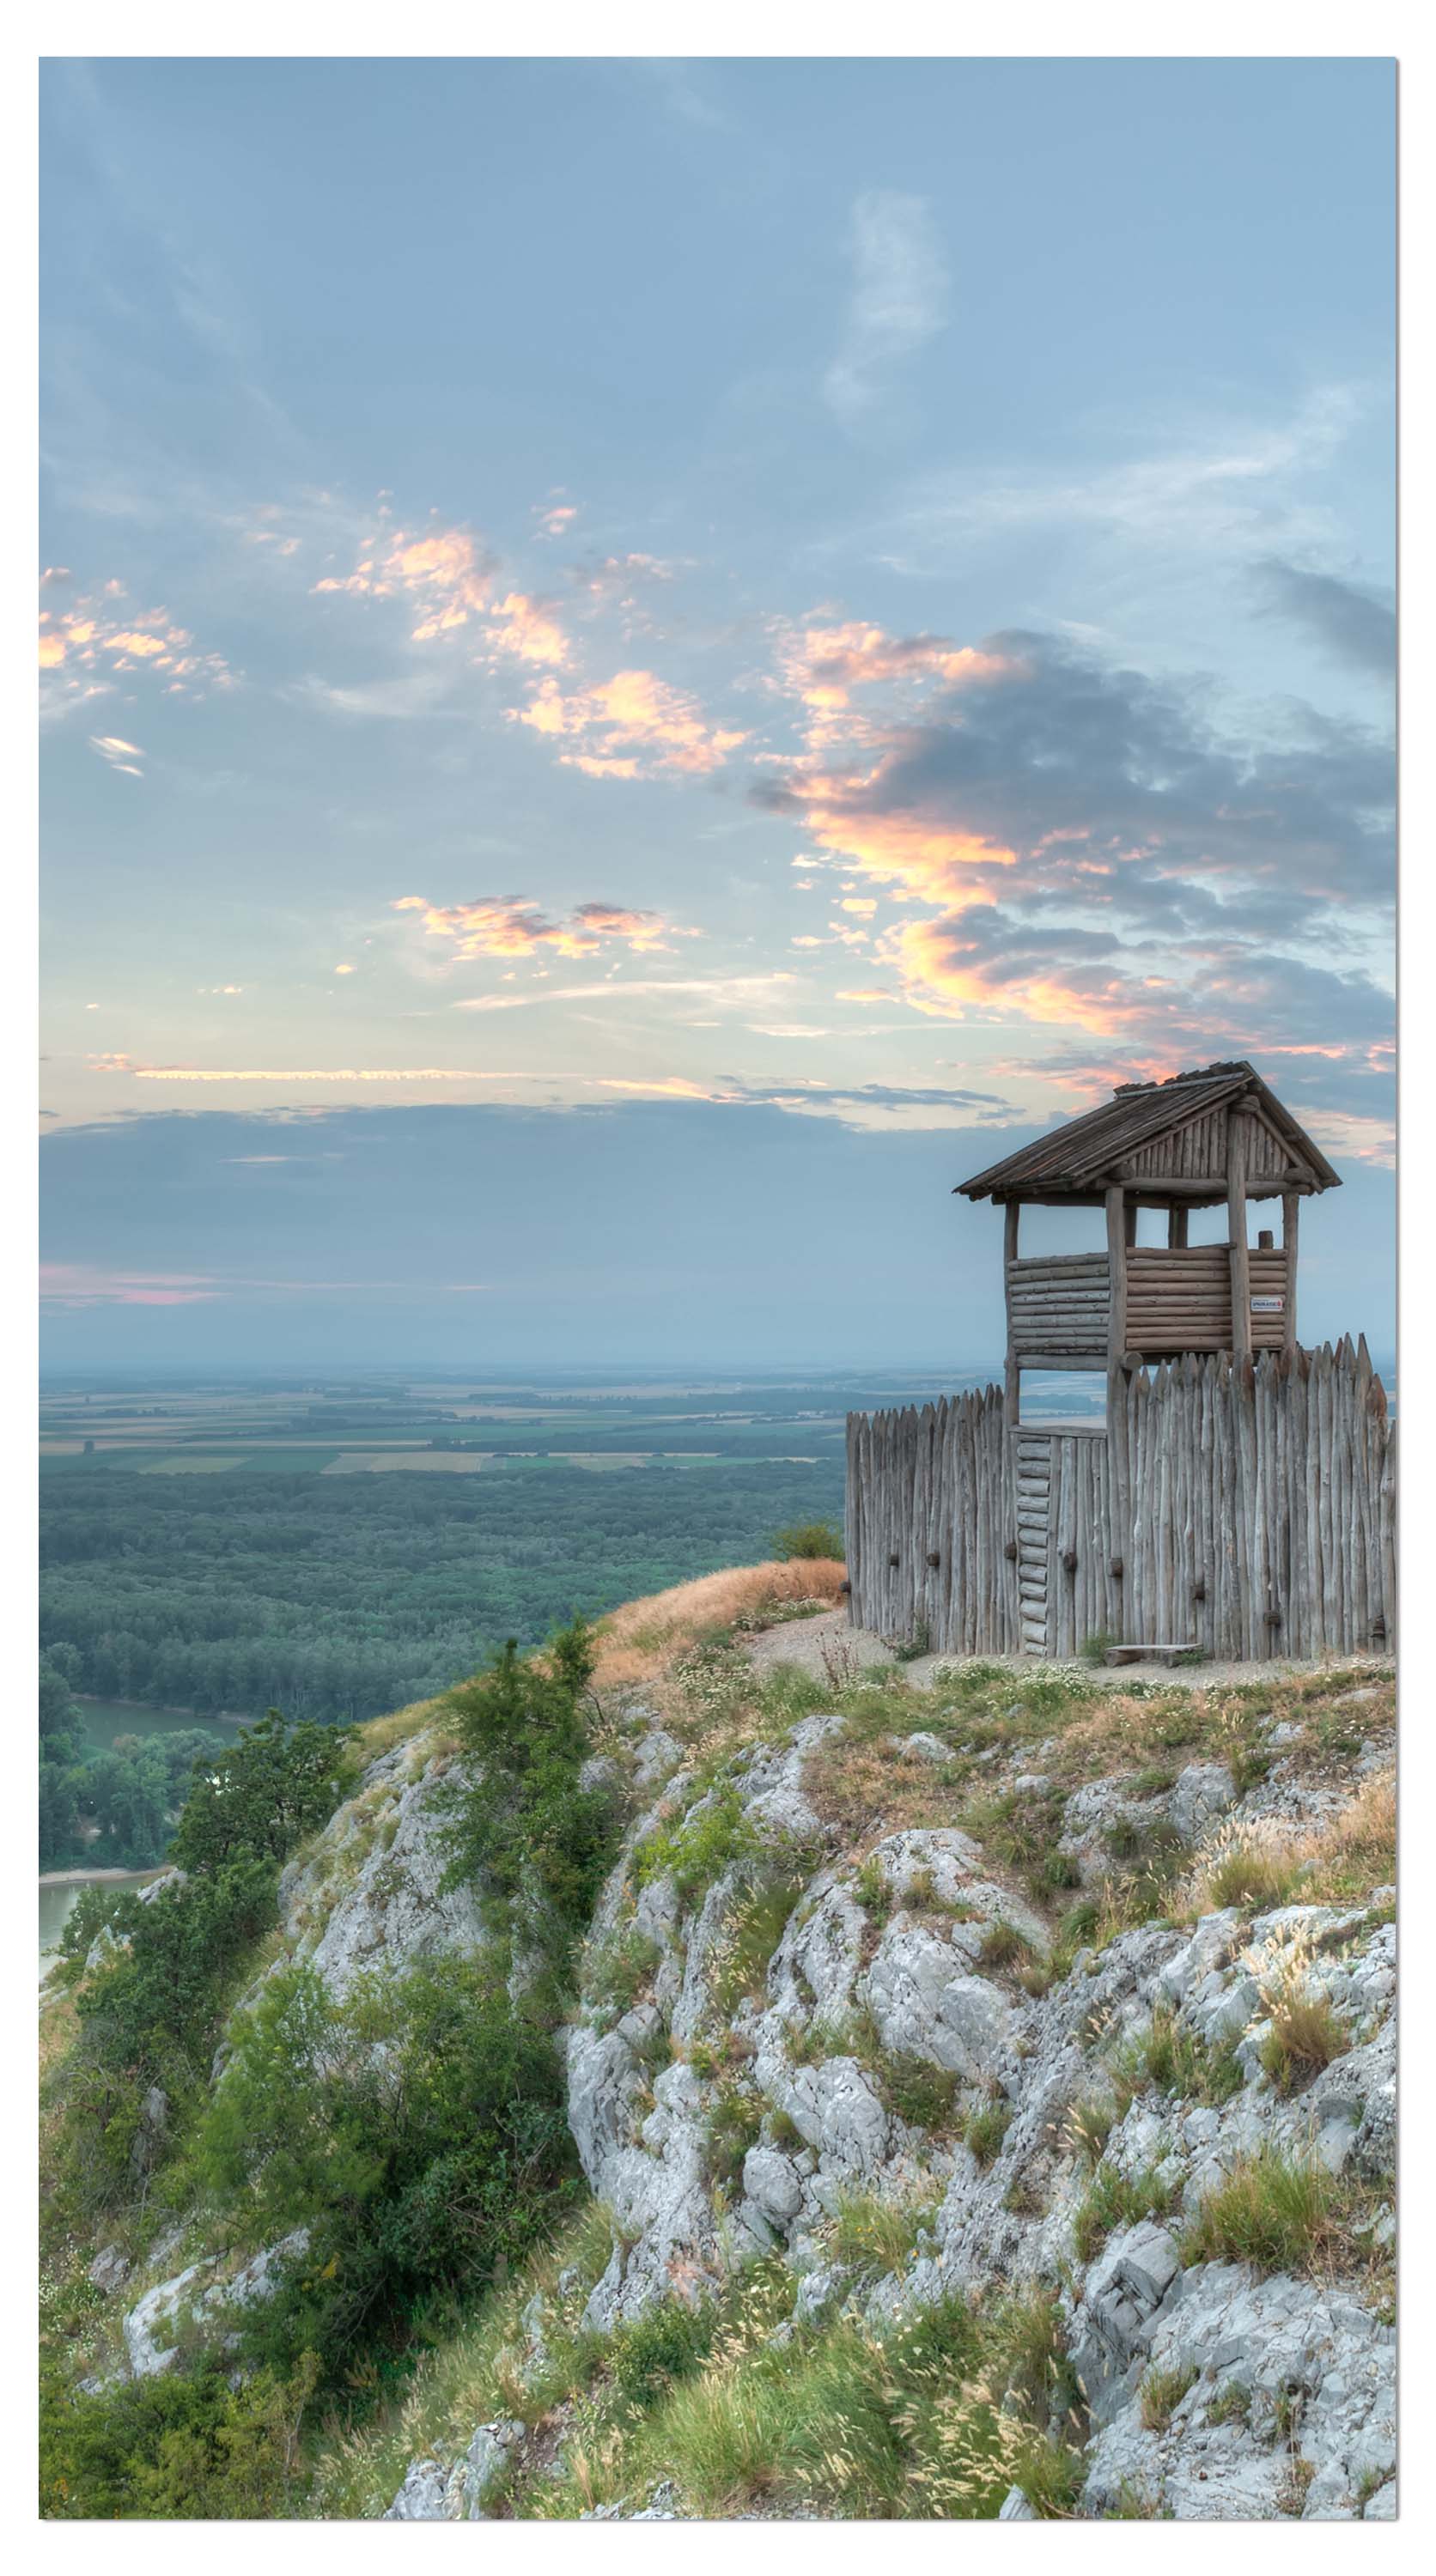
(1177, 1228)
(1131, 1222)
(1237, 1134)
(1290, 1212)
(1116, 1274)
(1012, 1380)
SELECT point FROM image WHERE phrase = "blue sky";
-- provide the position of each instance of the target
(852, 599)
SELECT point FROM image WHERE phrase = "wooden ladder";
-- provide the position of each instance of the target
(1034, 1498)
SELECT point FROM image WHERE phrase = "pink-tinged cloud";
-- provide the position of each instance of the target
(516, 926)
(949, 973)
(450, 585)
(634, 725)
(83, 648)
(303, 1073)
(555, 518)
(76, 1284)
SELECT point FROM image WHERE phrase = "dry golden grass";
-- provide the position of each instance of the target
(380, 1734)
(1264, 1862)
(637, 1642)
(1358, 1851)
(868, 1788)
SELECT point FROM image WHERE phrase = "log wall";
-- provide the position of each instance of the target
(1249, 1511)
(1059, 1305)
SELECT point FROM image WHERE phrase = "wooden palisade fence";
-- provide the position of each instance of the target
(1247, 1508)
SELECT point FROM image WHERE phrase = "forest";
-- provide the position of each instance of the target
(338, 1598)
(107, 1810)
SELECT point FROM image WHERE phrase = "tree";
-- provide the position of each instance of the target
(527, 1827)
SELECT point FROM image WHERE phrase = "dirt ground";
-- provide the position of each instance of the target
(821, 1644)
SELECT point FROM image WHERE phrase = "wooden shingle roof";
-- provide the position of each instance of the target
(1115, 1143)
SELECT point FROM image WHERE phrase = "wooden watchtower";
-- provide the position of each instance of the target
(1212, 1138)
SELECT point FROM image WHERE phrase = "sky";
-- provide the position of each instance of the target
(645, 664)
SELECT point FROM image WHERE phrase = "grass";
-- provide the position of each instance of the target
(872, 2235)
(1232, 2404)
(934, 2417)
(617, 1970)
(1278, 2212)
(924, 2096)
(750, 1937)
(642, 1639)
(734, 2124)
(1162, 2393)
(1002, 1944)
(1114, 2200)
(1169, 2059)
(986, 2130)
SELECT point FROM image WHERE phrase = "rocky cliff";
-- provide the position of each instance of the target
(1027, 2000)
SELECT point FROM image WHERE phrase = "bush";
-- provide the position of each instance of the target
(697, 1849)
(417, 2130)
(808, 1539)
(177, 2447)
(528, 1829)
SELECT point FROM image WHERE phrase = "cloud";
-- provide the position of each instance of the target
(1354, 625)
(1085, 846)
(899, 300)
(76, 1284)
(555, 517)
(1226, 492)
(85, 648)
(450, 585)
(632, 726)
(301, 1073)
(116, 754)
(739, 992)
(515, 926)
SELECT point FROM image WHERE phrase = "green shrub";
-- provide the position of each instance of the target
(667, 2343)
(697, 1849)
(808, 1539)
(539, 1843)
(176, 2447)
(734, 2124)
(417, 2129)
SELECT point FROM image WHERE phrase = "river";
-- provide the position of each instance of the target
(104, 1719)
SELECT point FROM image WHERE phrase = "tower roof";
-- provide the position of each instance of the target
(1122, 1142)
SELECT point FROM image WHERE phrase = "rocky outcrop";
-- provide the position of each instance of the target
(721, 2117)
(370, 1894)
(195, 2304)
(462, 2490)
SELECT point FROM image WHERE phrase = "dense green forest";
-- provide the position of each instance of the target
(107, 1810)
(339, 1597)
